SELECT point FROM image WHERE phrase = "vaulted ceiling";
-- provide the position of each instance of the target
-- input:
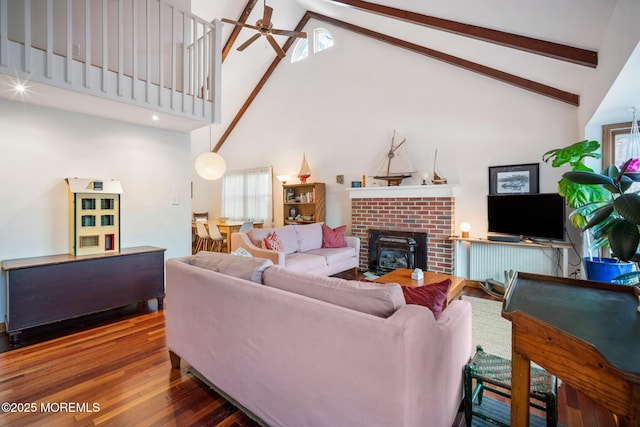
(546, 46)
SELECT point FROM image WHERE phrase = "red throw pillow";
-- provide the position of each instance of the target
(272, 242)
(333, 237)
(431, 296)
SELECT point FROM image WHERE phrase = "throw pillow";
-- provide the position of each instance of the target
(431, 296)
(241, 252)
(272, 242)
(333, 237)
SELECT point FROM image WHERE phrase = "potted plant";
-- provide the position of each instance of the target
(614, 222)
(577, 195)
(585, 199)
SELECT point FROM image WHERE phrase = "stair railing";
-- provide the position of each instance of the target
(146, 52)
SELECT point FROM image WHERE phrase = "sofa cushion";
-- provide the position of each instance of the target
(305, 261)
(309, 236)
(207, 260)
(431, 296)
(334, 255)
(373, 298)
(244, 267)
(248, 268)
(286, 234)
(333, 237)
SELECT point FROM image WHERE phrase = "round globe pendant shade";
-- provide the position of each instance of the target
(210, 166)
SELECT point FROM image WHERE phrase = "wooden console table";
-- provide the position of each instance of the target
(586, 333)
(49, 289)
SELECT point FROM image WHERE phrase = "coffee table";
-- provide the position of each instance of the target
(402, 276)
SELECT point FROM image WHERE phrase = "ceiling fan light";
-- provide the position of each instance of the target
(210, 166)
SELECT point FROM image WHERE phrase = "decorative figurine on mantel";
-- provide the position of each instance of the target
(94, 216)
(305, 171)
(395, 165)
(437, 179)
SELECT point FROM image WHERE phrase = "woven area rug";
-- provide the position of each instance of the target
(490, 329)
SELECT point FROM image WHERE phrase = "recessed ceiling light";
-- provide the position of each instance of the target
(19, 87)
(155, 117)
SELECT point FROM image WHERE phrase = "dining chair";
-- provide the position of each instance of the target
(204, 241)
(246, 226)
(202, 216)
(218, 242)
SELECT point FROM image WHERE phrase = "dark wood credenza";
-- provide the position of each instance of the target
(48, 289)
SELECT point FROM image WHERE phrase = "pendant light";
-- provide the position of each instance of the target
(210, 165)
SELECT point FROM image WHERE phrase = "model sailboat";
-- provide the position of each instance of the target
(437, 179)
(305, 171)
(395, 165)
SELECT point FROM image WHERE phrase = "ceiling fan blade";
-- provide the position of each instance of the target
(266, 18)
(240, 24)
(230, 21)
(246, 44)
(275, 46)
(290, 33)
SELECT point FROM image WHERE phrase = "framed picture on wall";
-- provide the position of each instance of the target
(514, 179)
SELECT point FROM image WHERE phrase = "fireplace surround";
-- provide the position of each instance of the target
(426, 209)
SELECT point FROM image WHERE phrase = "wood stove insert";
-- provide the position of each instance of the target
(391, 249)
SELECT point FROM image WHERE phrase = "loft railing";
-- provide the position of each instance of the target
(144, 52)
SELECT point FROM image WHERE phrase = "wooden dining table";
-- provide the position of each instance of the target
(227, 227)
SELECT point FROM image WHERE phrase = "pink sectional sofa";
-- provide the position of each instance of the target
(303, 249)
(296, 349)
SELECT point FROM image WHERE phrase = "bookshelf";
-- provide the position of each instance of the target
(308, 200)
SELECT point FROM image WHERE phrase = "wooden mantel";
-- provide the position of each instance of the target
(429, 190)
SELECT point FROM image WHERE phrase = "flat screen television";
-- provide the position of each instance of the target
(536, 216)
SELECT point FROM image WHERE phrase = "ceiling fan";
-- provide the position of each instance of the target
(265, 28)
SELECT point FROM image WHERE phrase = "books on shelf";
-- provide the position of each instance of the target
(308, 197)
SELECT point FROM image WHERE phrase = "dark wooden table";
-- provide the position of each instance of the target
(402, 276)
(586, 333)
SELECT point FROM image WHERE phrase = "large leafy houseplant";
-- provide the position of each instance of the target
(577, 195)
(614, 222)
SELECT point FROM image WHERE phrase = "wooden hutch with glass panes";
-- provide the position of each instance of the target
(303, 203)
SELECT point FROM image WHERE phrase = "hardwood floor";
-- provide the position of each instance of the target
(113, 370)
(116, 374)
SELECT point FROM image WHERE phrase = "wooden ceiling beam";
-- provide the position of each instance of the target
(520, 82)
(553, 50)
(260, 84)
(248, 8)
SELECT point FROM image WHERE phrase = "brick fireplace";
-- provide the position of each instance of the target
(421, 208)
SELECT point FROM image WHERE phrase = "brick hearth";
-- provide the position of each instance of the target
(404, 208)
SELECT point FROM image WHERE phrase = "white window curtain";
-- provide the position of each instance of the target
(247, 195)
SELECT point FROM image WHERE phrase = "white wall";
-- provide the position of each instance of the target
(40, 147)
(620, 39)
(341, 106)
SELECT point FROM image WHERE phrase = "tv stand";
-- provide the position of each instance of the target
(482, 259)
(503, 238)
